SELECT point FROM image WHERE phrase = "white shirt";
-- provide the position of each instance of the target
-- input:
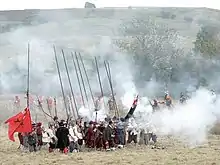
(77, 133)
(72, 136)
(48, 135)
(132, 126)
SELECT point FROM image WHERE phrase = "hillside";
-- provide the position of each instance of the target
(87, 30)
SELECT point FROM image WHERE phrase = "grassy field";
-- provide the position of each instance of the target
(173, 154)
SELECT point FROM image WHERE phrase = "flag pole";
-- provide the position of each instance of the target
(28, 76)
(61, 84)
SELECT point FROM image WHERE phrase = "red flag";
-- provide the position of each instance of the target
(132, 109)
(135, 102)
(50, 101)
(19, 123)
(41, 99)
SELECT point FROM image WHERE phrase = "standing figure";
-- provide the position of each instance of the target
(155, 105)
(32, 140)
(109, 136)
(52, 138)
(168, 100)
(73, 139)
(121, 132)
(132, 131)
(17, 102)
(62, 135)
(182, 98)
(39, 132)
(90, 139)
(100, 141)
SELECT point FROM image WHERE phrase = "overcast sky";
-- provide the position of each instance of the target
(50, 4)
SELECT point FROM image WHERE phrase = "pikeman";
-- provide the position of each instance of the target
(155, 105)
(90, 135)
(121, 132)
(17, 102)
(62, 135)
(40, 100)
(100, 141)
(109, 135)
(39, 132)
(32, 139)
(132, 131)
(98, 103)
(52, 139)
(167, 100)
(78, 130)
(50, 103)
(20, 137)
(56, 122)
(182, 98)
(73, 139)
(111, 103)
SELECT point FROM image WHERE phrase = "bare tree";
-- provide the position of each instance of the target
(152, 44)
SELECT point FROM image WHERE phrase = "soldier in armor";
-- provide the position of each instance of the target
(32, 139)
(62, 135)
(17, 102)
(182, 98)
(111, 104)
(168, 100)
(39, 132)
(155, 105)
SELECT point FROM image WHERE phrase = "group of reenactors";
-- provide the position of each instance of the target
(76, 135)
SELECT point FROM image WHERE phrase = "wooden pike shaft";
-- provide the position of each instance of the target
(55, 106)
(77, 76)
(61, 84)
(80, 73)
(108, 72)
(87, 78)
(72, 107)
(71, 88)
(99, 78)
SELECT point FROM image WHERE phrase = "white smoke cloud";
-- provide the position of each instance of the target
(190, 122)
